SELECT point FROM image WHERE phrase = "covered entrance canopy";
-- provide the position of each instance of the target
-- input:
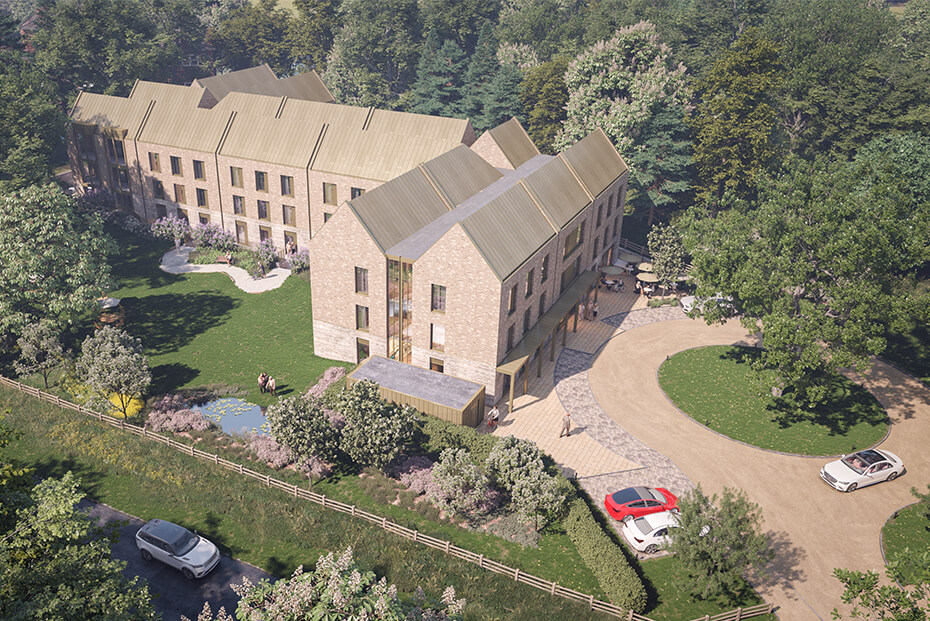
(548, 325)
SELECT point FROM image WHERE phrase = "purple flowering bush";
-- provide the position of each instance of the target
(315, 468)
(267, 253)
(416, 474)
(266, 449)
(300, 262)
(171, 413)
(171, 227)
(329, 377)
(214, 236)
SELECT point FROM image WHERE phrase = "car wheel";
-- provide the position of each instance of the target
(146, 555)
(187, 573)
(892, 476)
(651, 549)
(852, 488)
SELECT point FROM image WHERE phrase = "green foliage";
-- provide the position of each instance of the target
(719, 539)
(40, 350)
(482, 67)
(376, 431)
(103, 45)
(337, 589)
(903, 158)
(515, 465)
(618, 84)
(53, 261)
(462, 483)
(459, 20)
(544, 95)
(263, 32)
(735, 122)
(908, 529)
(15, 480)
(112, 363)
(605, 558)
(440, 435)
(314, 31)
(503, 97)
(545, 27)
(55, 559)
(438, 89)
(301, 425)
(31, 122)
(668, 253)
(871, 598)
(171, 228)
(823, 265)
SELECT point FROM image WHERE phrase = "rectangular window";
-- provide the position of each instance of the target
(235, 176)
(201, 197)
(329, 193)
(438, 299)
(361, 317)
(182, 213)
(544, 272)
(204, 218)
(290, 238)
(287, 186)
(437, 339)
(176, 166)
(115, 151)
(160, 211)
(122, 177)
(569, 273)
(261, 181)
(154, 164)
(362, 349)
(527, 318)
(158, 189)
(574, 239)
(610, 204)
(361, 280)
(242, 233)
(262, 210)
(289, 215)
(238, 205)
(179, 194)
(264, 233)
(600, 211)
(510, 338)
(542, 303)
(198, 170)
(616, 226)
(356, 192)
(530, 277)
(597, 241)
(512, 300)
(435, 364)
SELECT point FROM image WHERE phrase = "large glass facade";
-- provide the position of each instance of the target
(400, 305)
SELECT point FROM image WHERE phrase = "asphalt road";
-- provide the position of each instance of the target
(172, 594)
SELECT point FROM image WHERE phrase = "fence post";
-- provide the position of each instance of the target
(448, 546)
(384, 523)
(192, 450)
(591, 601)
(324, 501)
(268, 480)
(216, 460)
(552, 590)
(295, 490)
(629, 617)
(516, 575)
(739, 613)
(240, 469)
(353, 510)
(481, 561)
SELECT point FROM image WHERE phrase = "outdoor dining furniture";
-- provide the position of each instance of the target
(645, 266)
(647, 277)
(629, 257)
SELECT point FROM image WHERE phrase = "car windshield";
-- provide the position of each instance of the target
(860, 462)
(184, 543)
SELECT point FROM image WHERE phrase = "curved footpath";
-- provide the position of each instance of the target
(175, 262)
(814, 528)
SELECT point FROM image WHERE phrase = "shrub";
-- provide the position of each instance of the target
(266, 252)
(329, 377)
(606, 559)
(511, 460)
(300, 262)
(171, 228)
(415, 473)
(315, 468)
(461, 484)
(439, 435)
(266, 449)
(511, 528)
(213, 236)
(304, 427)
(376, 431)
(177, 421)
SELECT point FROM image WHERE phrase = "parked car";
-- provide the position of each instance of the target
(649, 533)
(178, 547)
(863, 468)
(634, 502)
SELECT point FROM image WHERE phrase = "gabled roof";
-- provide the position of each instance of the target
(437, 127)
(177, 124)
(249, 80)
(256, 105)
(595, 161)
(300, 111)
(557, 191)
(514, 142)
(108, 112)
(271, 140)
(307, 86)
(166, 93)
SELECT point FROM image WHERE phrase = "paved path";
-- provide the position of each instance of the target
(175, 262)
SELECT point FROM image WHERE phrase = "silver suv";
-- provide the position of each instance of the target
(178, 547)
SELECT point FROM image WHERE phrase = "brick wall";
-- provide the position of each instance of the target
(491, 152)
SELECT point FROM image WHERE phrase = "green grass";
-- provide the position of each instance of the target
(716, 387)
(200, 329)
(910, 351)
(908, 528)
(269, 528)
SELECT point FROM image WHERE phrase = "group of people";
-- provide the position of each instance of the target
(646, 290)
(290, 247)
(266, 383)
(588, 311)
(494, 415)
(612, 285)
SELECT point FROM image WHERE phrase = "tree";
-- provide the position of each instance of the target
(547, 27)
(618, 84)
(104, 45)
(516, 467)
(112, 364)
(31, 122)
(338, 589)
(668, 253)
(482, 67)
(53, 261)
(824, 265)
(438, 89)
(503, 95)
(40, 350)
(903, 157)
(874, 601)
(461, 482)
(171, 227)
(254, 34)
(537, 494)
(311, 35)
(15, 479)
(544, 95)
(719, 539)
(304, 427)
(55, 560)
(459, 20)
(376, 431)
(735, 122)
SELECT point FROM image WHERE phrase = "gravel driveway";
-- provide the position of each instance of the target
(172, 594)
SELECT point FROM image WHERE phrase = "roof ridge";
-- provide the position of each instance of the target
(443, 196)
(575, 174)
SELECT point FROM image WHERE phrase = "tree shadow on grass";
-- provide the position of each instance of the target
(167, 322)
(169, 377)
(136, 263)
(53, 467)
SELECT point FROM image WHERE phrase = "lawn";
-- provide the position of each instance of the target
(200, 329)
(908, 528)
(716, 387)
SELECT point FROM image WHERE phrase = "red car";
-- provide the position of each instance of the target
(634, 502)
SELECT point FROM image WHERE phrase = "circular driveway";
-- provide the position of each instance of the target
(814, 528)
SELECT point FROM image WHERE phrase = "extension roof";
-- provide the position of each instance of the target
(514, 142)
(261, 80)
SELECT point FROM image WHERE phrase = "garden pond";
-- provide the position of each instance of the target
(235, 416)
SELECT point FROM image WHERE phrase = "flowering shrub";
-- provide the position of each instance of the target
(461, 484)
(315, 468)
(171, 227)
(267, 253)
(300, 262)
(213, 236)
(171, 413)
(268, 450)
(415, 473)
(330, 376)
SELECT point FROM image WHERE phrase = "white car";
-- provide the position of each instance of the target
(649, 533)
(863, 468)
(178, 547)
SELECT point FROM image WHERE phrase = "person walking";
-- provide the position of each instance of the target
(272, 387)
(262, 381)
(566, 425)
(494, 417)
(594, 312)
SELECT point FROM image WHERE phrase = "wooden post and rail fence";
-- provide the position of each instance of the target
(553, 588)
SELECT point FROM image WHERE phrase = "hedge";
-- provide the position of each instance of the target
(440, 435)
(606, 559)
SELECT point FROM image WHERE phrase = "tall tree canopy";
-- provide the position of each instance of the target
(547, 27)
(543, 95)
(459, 20)
(254, 34)
(438, 89)
(824, 265)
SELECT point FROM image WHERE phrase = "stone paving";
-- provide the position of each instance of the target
(175, 262)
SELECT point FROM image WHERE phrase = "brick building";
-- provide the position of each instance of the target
(261, 156)
(465, 267)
